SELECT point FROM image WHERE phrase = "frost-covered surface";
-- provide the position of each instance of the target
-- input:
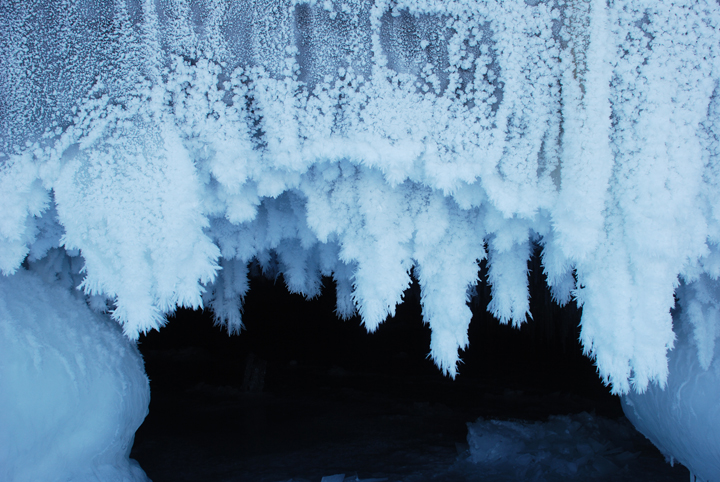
(73, 389)
(683, 420)
(358, 140)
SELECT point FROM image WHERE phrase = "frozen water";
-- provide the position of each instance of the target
(359, 140)
(73, 389)
(683, 420)
(164, 146)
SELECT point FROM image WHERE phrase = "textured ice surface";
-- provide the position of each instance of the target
(73, 389)
(169, 144)
(683, 420)
(358, 140)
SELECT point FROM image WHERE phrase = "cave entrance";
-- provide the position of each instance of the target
(302, 393)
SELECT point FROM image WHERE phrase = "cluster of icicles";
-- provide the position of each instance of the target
(170, 144)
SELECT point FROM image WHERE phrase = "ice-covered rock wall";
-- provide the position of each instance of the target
(683, 420)
(73, 389)
(177, 141)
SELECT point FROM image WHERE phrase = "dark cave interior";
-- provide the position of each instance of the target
(302, 393)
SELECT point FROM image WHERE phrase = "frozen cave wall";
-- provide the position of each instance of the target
(166, 144)
(73, 389)
(683, 418)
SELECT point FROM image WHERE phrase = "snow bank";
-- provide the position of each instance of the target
(683, 420)
(357, 139)
(73, 389)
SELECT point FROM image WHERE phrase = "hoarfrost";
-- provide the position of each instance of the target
(361, 140)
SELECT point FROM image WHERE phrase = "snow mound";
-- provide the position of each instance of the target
(567, 447)
(73, 389)
(683, 419)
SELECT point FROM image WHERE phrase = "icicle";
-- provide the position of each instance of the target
(272, 129)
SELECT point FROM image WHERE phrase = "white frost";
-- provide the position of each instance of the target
(361, 140)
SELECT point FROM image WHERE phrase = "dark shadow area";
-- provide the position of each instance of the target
(302, 394)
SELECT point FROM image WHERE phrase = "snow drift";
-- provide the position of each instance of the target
(73, 389)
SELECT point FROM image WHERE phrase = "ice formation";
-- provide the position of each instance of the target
(683, 420)
(73, 389)
(171, 143)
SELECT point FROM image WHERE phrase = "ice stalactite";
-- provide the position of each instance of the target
(180, 141)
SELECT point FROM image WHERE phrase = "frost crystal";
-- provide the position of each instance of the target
(180, 141)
